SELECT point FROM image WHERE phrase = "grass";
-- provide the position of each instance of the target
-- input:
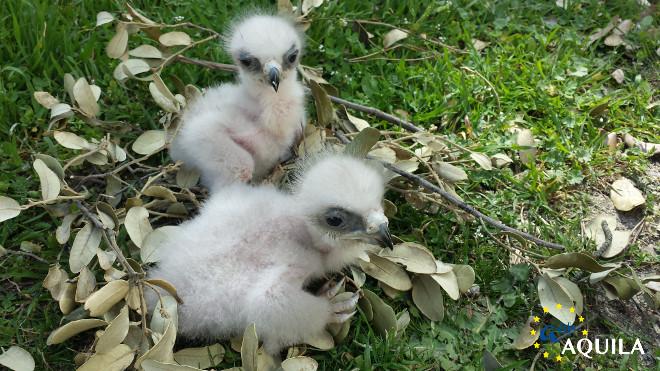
(546, 77)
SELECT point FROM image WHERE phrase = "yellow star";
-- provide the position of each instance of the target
(585, 332)
(581, 319)
(536, 319)
(572, 309)
(533, 332)
(558, 306)
(545, 354)
(545, 310)
(558, 358)
(537, 345)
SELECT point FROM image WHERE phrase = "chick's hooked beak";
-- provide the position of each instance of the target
(377, 232)
(272, 74)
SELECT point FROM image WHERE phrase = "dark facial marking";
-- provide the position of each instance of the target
(249, 62)
(291, 57)
(343, 220)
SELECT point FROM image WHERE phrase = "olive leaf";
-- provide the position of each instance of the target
(114, 334)
(554, 298)
(84, 247)
(119, 358)
(100, 302)
(203, 357)
(384, 318)
(386, 271)
(300, 363)
(149, 141)
(526, 338)
(50, 182)
(17, 358)
(9, 208)
(162, 351)
(176, 38)
(427, 296)
(73, 328)
(137, 224)
(249, 348)
(414, 257)
(118, 43)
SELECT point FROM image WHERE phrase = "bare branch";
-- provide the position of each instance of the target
(369, 110)
(460, 204)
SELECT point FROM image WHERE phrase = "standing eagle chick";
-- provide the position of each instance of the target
(249, 254)
(238, 131)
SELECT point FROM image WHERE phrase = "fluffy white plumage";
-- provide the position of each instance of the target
(249, 254)
(238, 131)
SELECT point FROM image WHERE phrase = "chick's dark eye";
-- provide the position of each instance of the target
(334, 221)
(247, 62)
(293, 56)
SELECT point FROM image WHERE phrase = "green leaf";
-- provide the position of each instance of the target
(427, 296)
(52, 164)
(464, 276)
(324, 110)
(551, 295)
(577, 260)
(384, 318)
(414, 257)
(490, 362)
(624, 287)
(386, 271)
(526, 339)
(363, 142)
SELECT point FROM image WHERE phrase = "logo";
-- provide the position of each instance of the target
(577, 340)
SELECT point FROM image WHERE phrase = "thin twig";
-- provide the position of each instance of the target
(460, 204)
(361, 58)
(122, 167)
(369, 110)
(497, 97)
(376, 23)
(178, 52)
(27, 254)
(192, 25)
(397, 59)
(538, 256)
(109, 236)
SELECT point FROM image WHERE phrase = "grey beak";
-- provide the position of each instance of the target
(384, 238)
(274, 78)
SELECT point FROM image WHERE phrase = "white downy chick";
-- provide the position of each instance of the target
(238, 131)
(249, 254)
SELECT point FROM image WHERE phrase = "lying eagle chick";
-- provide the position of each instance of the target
(249, 254)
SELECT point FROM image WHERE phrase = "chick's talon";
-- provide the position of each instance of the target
(341, 317)
(349, 304)
(329, 290)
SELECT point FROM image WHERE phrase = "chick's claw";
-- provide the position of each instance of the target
(341, 317)
(346, 305)
(329, 290)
